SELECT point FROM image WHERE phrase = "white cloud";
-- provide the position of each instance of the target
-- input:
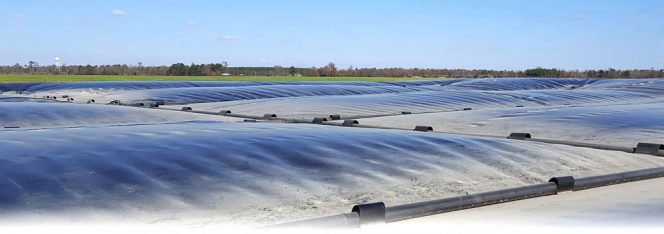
(228, 38)
(192, 23)
(118, 12)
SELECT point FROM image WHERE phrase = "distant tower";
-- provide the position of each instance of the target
(57, 62)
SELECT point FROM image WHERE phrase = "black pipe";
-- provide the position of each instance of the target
(229, 114)
(642, 148)
(618, 178)
(377, 212)
(586, 145)
(264, 117)
(370, 213)
(404, 113)
(423, 128)
(420, 209)
(345, 123)
(319, 120)
(519, 136)
(366, 116)
(392, 114)
(563, 183)
(649, 148)
(524, 136)
(350, 123)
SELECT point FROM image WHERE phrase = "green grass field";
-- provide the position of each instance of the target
(73, 78)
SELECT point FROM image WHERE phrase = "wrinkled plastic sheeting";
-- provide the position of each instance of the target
(425, 101)
(222, 94)
(5, 98)
(140, 85)
(651, 86)
(155, 166)
(48, 115)
(474, 84)
(204, 92)
(502, 84)
(628, 123)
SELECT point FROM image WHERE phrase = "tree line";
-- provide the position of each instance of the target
(329, 70)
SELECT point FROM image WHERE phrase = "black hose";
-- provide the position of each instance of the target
(378, 213)
(618, 178)
(420, 209)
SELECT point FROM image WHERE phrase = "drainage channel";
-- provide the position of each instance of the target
(377, 213)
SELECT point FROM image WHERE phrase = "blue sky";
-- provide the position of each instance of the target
(509, 34)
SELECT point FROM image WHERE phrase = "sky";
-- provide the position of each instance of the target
(470, 34)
